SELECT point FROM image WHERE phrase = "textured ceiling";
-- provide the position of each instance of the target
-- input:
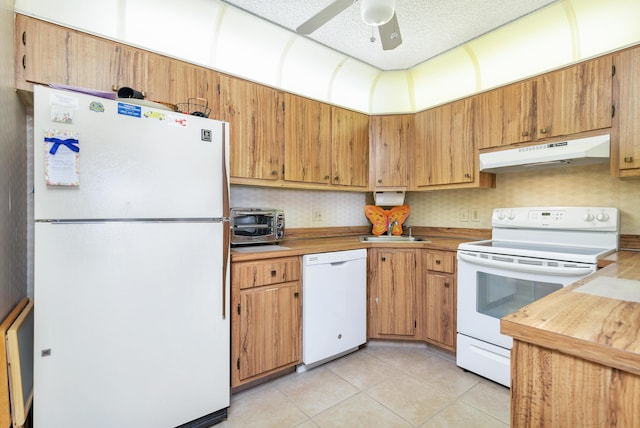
(428, 27)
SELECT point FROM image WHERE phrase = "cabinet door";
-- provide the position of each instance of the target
(195, 85)
(505, 115)
(255, 117)
(390, 136)
(575, 99)
(441, 302)
(47, 53)
(394, 292)
(106, 65)
(159, 78)
(269, 326)
(518, 112)
(307, 141)
(350, 148)
(625, 142)
(444, 145)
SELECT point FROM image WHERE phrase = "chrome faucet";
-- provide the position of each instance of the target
(390, 227)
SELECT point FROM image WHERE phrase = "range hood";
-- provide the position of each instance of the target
(583, 151)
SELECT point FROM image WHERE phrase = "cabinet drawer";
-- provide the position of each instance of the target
(441, 261)
(265, 272)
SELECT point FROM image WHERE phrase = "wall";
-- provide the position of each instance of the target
(574, 186)
(13, 175)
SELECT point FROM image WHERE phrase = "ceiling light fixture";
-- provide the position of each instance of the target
(377, 12)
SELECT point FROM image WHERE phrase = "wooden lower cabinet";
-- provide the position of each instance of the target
(391, 293)
(266, 318)
(439, 298)
(412, 295)
(552, 389)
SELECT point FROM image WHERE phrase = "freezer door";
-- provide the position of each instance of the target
(129, 330)
(134, 161)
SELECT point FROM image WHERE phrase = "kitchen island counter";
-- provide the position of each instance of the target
(575, 359)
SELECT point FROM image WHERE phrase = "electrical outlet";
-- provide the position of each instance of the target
(316, 214)
(475, 214)
(463, 215)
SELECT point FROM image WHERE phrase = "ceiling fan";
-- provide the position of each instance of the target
(377, 13)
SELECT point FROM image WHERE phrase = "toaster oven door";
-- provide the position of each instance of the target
(253, 226)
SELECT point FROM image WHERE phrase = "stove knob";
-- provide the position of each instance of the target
(500, 215)
(588, 216)
(602, 216)
(512, 215)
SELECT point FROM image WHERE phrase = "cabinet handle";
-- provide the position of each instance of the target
(525, 133)
(628, 159)
(326, 177)
(274, 172)
(24, 38)
(336, 178)
(467, 175)
(296, 294)
(446, 285)
(543, 130)
(437, 262)
(273, 273)
(24, 61)
(384, 259)
(379, 181)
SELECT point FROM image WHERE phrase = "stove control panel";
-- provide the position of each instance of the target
(567, 218)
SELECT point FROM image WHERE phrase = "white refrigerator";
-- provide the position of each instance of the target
(130, 267)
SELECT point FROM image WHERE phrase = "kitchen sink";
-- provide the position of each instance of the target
(392, 238)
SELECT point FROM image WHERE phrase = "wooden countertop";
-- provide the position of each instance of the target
(297, 247)
(588, 319)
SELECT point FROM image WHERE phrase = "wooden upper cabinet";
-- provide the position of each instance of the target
(48, 53)
(349, 148)
(194, 85)
(307, 142)
(44, 53)
(256, 121)
(625, 133)
(390, 139)
(505, 115)
(444, 150)
(575, 99)
(105, 65)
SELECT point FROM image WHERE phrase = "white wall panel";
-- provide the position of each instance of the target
(448, 76)
(539, 42)
(250, 48)
(352, 83)
(392, 93)
(308, 69)
(601, 29)
(98, 17)
(181, 29)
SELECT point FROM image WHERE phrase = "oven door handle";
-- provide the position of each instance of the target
(560, 271)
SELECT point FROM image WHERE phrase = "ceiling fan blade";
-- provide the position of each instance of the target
(322, 17)
(390, 34)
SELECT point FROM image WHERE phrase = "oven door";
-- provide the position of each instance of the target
(491, 286)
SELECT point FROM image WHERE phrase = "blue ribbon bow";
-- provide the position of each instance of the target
(70, 143)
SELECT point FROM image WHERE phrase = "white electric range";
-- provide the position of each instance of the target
(533, 252)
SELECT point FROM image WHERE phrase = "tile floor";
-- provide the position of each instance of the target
(381, 385)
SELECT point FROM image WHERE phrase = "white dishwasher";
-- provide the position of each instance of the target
(334, 305)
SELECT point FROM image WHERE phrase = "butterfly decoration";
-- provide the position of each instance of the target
(381, 218)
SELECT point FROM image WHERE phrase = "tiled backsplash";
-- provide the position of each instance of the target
(572, 186)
